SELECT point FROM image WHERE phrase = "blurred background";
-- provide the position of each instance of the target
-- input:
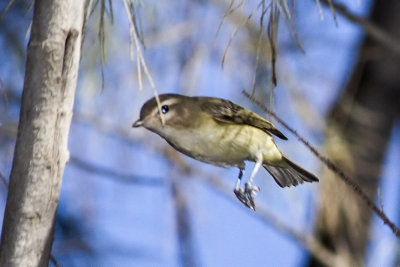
(128, 199)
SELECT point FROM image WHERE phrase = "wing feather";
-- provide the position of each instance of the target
(228, 112)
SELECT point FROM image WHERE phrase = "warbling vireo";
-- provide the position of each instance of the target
(221, 133)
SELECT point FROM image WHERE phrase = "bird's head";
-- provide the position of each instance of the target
(171, 113)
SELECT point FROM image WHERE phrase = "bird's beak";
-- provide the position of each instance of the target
(137, 123)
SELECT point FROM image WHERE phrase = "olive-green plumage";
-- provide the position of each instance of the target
(221, 133)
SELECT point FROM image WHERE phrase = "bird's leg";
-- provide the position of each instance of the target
(240, 193)
(251, 190)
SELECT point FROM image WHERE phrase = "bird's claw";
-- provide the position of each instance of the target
(241, 195)
(247, 195)
(251, 191)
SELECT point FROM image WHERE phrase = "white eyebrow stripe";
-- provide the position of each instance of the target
(168, 102)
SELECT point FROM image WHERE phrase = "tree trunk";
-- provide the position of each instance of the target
(357, 135)
(41, 147)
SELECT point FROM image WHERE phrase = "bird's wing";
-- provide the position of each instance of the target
(228, 112)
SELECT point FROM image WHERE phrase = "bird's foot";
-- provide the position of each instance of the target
(247, 195)
(251, 191)
(241, 195)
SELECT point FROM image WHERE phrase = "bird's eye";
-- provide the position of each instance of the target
(164, 109)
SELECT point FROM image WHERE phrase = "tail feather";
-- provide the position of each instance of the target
(292, 174)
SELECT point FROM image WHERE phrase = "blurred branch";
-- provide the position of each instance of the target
(183, 226)
(106, 172)
(172, 155)
(311, 244)
(6, 9)
(93, 120)
(307, 241)
(54, 261)
(356, 188)
(102, 39)
(244, 21)
(374, 31)
(294, 86)
(370, 28)
(141, 63)
(8, 130)
(4, 180)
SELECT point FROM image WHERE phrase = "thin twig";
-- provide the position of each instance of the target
(229, 11)
(235, 31)
(380, 197)
(356, 188)
(279, 8)
(321, 13)
(375, 32)
(259, 44)
(331, 6)
(294, 31)
(111, 11)
(102, 38)
(4, 180)
(6, 9)
(272, 31)
(272, 37)
(54, 261)
(140, 58)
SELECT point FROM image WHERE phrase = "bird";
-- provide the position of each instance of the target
(224, 134)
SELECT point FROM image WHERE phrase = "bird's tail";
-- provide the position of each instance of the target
(291, 174)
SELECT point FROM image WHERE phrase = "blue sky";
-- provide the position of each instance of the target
(105, 221)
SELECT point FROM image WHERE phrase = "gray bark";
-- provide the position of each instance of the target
(41, 147)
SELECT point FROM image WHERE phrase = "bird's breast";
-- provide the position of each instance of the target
(222, 144)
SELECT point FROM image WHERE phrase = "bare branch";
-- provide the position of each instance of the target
(106, 172)
(187, 255)
(350, 182)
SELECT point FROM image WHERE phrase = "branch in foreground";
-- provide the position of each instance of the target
(350, 182)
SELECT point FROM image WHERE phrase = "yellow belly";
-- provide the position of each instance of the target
(227, 145)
